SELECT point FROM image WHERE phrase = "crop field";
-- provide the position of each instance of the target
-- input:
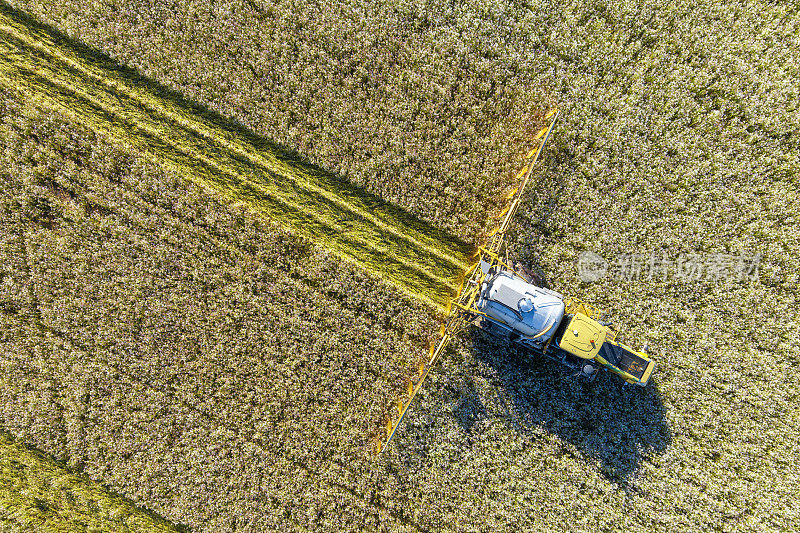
(228, 229)
(339, 217)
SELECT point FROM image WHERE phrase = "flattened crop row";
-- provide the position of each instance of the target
(418, 259)
(38, 493)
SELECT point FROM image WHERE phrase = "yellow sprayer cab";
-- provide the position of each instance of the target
(588, 339)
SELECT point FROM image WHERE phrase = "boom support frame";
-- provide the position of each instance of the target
(462, 309)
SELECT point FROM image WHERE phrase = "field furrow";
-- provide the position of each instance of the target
(345, 220)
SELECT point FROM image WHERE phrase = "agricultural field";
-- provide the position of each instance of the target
(228, 230)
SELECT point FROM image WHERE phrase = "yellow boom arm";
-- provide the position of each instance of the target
(460, 313)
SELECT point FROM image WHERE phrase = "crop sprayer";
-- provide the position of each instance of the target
(507, 303)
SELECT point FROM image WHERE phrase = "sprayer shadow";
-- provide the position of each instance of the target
(605, 420)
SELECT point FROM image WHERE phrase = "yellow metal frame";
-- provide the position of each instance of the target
(498, 235)
(462, 307)
(573, 306)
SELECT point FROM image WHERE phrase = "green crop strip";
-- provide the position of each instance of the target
(38, 493)
(420, 260)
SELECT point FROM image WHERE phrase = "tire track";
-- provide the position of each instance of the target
(416, 258)
(335, 190)
(55, 498)
(204, 171)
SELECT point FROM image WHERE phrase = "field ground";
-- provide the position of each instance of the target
(226, 373)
